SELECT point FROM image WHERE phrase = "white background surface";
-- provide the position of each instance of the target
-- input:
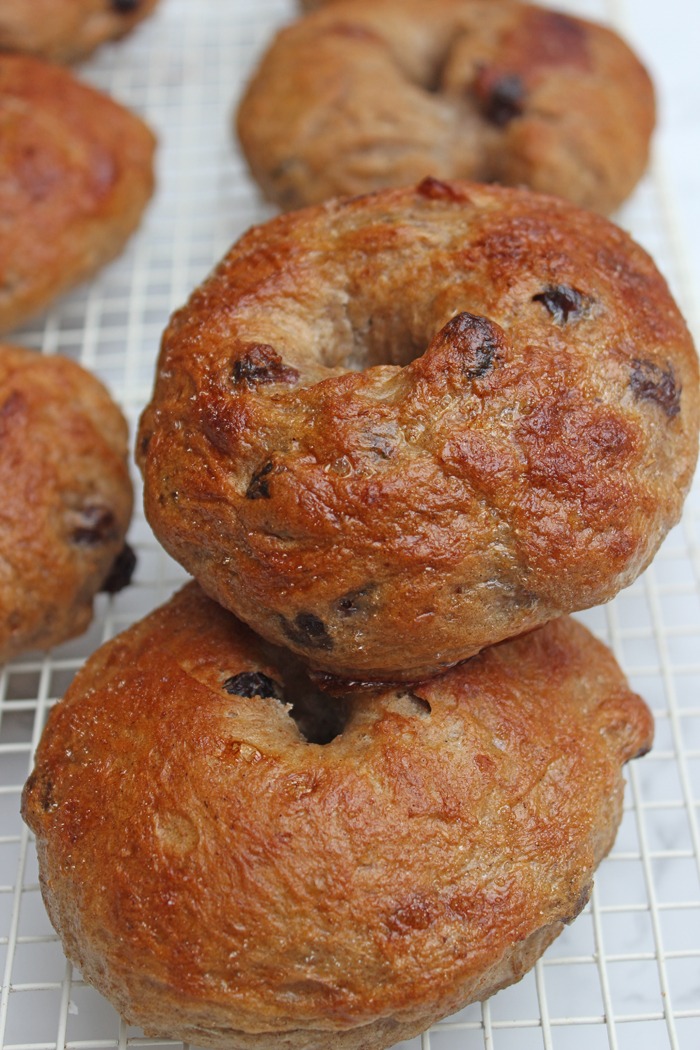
(627, 973)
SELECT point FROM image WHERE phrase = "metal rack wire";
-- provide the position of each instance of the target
(626, 974)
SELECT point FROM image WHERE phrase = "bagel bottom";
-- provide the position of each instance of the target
(237, 861)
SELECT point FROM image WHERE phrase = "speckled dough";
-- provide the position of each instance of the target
(389, 431)
(226, 882)
(66, 500)
(376, 93)
(66, 30)
(76, 171)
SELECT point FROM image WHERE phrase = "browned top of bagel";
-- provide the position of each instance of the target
(66, 30)
(66, 500)
(374, 93)
(391, 430)
(75, 174)
(224, 881)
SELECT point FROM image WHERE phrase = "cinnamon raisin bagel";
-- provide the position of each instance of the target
(66, 501)
(229, 879)
(389, 431)
(76, 171)
(374, 93)
(66, 30)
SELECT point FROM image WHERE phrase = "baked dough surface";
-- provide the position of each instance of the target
(389, 431)
(373, 93)
(224, 881)
(66, 498)
(67, 30)
(76, 172)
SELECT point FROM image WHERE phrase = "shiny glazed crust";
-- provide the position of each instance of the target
(76, 171)
(66, 501)
(389, 431)
(223, 881)
(374, 93)
(66, 30)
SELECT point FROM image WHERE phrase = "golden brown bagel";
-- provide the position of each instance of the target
(66, 30)
(66, 500)
(373, 93)
(76, 171)
(225, 882)
(389, 431)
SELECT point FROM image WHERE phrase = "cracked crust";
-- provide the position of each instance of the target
(374, 93)
(224, 881)
(67, 30)
(76, 172)
(67, 498)
(389, 431)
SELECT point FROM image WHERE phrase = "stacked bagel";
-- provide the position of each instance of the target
(360, 771)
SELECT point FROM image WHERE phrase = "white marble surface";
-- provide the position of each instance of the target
(626, 974)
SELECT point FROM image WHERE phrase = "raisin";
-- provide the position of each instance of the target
(259, 487)
(501, 96)
(649, 382)
(563, 303)
(475, 341)
(96, 524)
(308, 630)
(121, 571)
(253, 683)
(262, 365)
(436, 190)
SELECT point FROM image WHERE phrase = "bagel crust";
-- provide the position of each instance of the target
(66, 30)
(386, 510)
(76, 172)
(67, 498)
(376, 93)
(224, 881)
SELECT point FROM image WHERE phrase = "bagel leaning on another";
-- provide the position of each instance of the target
(227, 882)
(389, 431)
(374, 93)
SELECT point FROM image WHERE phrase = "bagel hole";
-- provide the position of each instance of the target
(428, 71)
(365, 325)
(320, 718)
(382, 338)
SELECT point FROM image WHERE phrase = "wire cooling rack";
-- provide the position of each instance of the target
(626, 974)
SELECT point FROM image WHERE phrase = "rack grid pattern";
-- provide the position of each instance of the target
(626, 974)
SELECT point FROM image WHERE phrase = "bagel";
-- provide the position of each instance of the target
(67, 499)
(66, 30)
(374, 93)
(76, 172)
(226, 880)
(389, 431)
